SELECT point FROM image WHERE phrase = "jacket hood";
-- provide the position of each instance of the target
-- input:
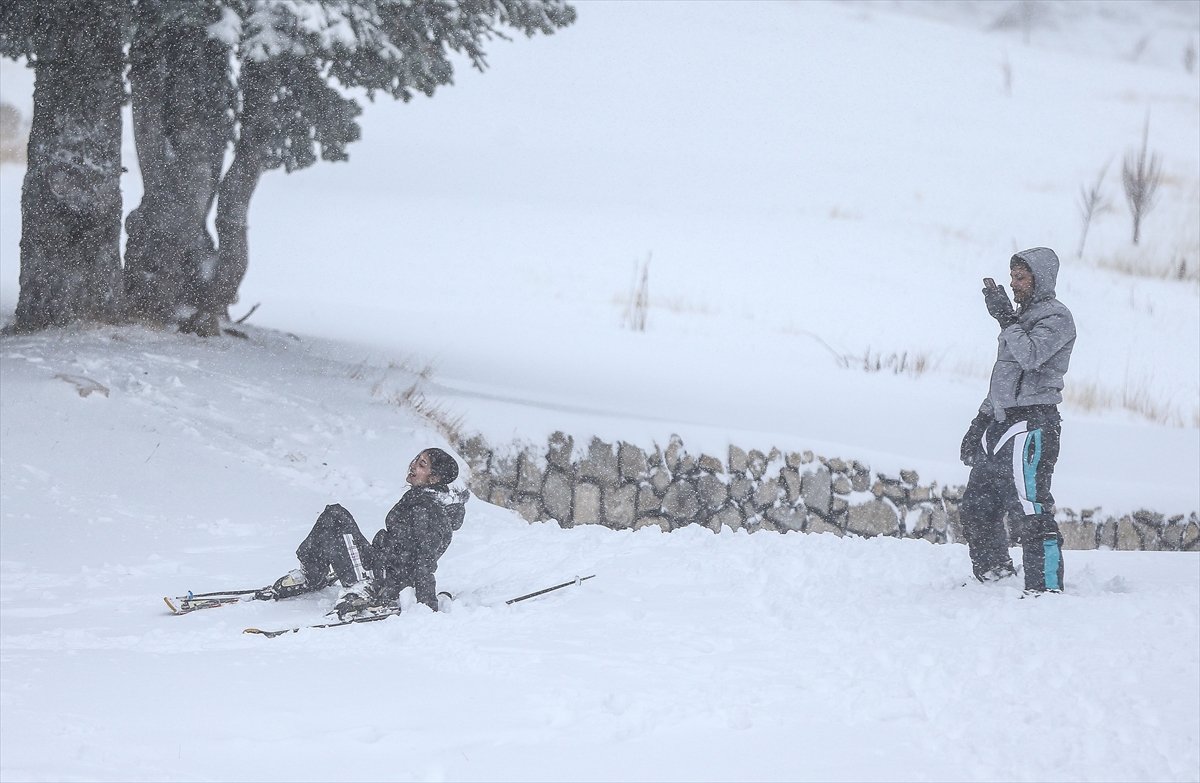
(1043, 262)
(452, 501)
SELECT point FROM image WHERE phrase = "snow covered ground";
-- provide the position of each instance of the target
(689, 657)
(809, 179)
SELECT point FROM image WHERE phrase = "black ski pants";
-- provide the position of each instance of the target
(335, 541)
(1012, 476)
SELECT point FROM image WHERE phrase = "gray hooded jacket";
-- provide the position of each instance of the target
(1034, 353)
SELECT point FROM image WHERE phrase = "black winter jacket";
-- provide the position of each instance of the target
(417, 532)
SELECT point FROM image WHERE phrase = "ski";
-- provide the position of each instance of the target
(375, 614)
(185, 604)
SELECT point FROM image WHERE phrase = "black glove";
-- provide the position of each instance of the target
(972, 443)
(998, 306)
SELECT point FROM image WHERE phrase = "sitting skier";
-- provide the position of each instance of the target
(405, 553)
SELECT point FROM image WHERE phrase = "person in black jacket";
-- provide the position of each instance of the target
(405, 553)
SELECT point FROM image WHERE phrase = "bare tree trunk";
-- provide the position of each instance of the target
(233, 211)
(71, 196)
(250, 155)
(182, 103)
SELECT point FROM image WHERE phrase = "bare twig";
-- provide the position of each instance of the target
(1091, 202)
(248, 313)
(1141, 177)
(639, 297)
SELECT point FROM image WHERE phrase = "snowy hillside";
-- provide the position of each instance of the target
(818, 187)
(815, 185)
(690, 656)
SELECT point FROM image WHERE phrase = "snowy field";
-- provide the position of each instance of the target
(811, 181)
(689, 657)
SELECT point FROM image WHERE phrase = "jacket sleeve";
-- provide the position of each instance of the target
(413, 556)
(1046, 338)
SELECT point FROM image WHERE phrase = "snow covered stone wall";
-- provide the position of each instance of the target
(622, 486)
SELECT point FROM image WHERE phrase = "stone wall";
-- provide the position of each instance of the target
(622, 486)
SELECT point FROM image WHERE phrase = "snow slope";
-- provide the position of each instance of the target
(811, 181)
(690, 656)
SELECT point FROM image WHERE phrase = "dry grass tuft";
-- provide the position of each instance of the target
(1137, 399)
(413, 397)
(897, 363)
(1176, 266)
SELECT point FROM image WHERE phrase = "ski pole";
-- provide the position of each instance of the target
(574, 581)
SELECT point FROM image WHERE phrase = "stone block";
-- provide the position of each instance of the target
(842, 485)
(919, 523)
(586, 509)
(767, 494)
(600, 465)
(757, 463)
(787, 519)
(475, 452)
(529, 475)
(660, 480)
(712, 490)
(681, 502)
(559, 449)
(816, 524)
(1149, 527)
(793, 460)
(740, 488)
(529, 507)
(764, 525)
(1106, 534)
(1172, 537)
(940, 520)
(619, 512)
(791, 484)
(909, 477)
(873, 518)
(817, 490)
(687, 465)
(558, 496)
(1127, 535)
(1190, 540)
(500, 496)
(1077, 534)
(504, 471)
(954, 531)
(739, 462)
(730, 517)
(807, 457)
(647, 500)
(653, 520)
(632, 462)
(673, 453)
(710, 464)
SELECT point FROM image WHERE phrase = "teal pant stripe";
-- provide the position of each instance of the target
(1053, 559)
(1033, 455)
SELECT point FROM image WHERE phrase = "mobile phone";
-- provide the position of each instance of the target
(989, 282)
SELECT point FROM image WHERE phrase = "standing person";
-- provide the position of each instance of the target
(405, 553)
(1012, 444)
